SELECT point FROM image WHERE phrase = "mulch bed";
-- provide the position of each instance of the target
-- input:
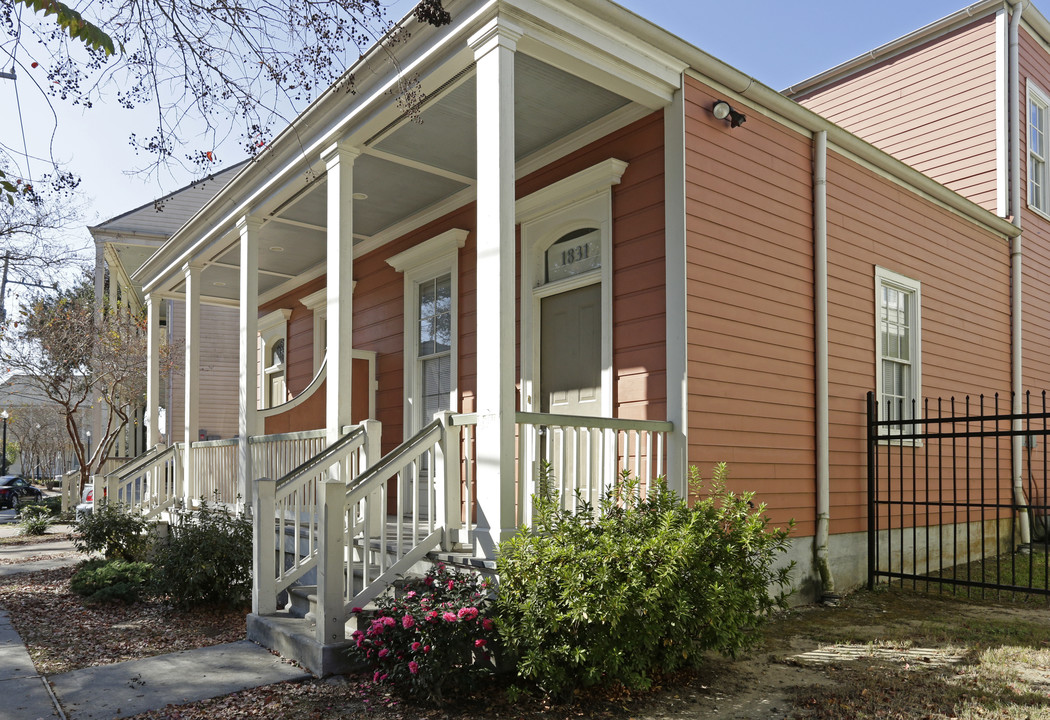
(63, 632)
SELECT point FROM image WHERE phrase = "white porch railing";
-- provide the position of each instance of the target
(290, 549)
(149, 484)
(215, 471)
(274, 456)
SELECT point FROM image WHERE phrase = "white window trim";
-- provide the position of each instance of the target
(272, 327)
(317, 303)
(429, 259)
(884, 277)
(581, 200)
(1034, 92)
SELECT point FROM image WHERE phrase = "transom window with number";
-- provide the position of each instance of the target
(575, 253)
(898, 333)
(1038, 190)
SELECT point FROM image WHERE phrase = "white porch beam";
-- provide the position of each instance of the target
(153, 370)
(339, 163)
(248, 375)
(191, 407)
(494, 48)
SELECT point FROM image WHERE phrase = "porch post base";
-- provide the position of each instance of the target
(487, 540)
(288, 637)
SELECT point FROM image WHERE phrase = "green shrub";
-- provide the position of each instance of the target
(53, 504)
(433, 639)
(34, 519)
(102, 581)
(207, 559)
(113, 531)
(643, 586)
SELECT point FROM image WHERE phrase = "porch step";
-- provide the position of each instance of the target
(295, 638)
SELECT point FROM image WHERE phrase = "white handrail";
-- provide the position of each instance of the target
(148, 485)
(288, 549)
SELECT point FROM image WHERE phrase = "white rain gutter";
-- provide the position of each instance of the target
(820, 321)
(1016, 377)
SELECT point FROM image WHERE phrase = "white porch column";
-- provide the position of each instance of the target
(339, 160)
(494, 48)
(248, 227)
(153, 371)
(191, 413)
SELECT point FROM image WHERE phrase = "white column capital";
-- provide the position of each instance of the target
(250, 223)
(339, 152)
(498, 32)
(192, 268)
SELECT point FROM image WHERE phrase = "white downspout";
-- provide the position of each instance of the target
(820, 321)
(1017, 380)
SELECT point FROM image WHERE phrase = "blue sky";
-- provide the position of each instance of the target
(777, 41)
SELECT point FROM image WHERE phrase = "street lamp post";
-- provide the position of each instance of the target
(3, 462)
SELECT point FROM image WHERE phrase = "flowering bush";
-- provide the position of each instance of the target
(430, 638)
(643, 586)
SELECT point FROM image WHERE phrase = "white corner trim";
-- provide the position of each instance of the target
(595, 179)
(316, 300)
(272, 320)
(431, 249)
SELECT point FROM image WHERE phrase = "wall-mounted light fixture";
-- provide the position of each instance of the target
(723, 110)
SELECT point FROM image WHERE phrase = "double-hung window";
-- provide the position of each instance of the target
(898, 382)
(1038, 190)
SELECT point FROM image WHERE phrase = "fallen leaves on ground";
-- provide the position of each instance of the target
(63, 633)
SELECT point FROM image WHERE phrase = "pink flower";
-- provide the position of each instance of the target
(416, 646)
(384, 652)
(428, 581)
(432, 616)
(449, 616)
(480, 642)
(377, 676)
(413, 667)
(356, 610)
(411, 594)
(467, 613)
(426, 648)
(451, 584)
(407, 621)
(387, 620)
(487, 624)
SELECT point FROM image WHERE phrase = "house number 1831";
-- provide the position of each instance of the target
(576, 254)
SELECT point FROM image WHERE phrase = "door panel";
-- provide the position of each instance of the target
(571, 352)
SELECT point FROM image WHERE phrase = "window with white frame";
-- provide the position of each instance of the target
(431, 312)
(898, 337)
(1038, 191)
(273, 341)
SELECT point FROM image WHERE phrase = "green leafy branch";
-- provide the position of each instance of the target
(74, 24)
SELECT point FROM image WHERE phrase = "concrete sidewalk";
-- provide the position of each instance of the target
(122, 689)
(133, 687)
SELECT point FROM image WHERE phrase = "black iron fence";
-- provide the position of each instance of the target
(946, 508)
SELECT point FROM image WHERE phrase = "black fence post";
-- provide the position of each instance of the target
(872, 520)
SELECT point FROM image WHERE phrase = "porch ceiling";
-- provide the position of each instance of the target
(411, 167)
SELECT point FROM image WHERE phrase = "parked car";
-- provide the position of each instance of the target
(86, 506)
(15, 491)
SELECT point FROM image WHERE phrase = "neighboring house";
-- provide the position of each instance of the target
(37, 424)
(122, 244)
(571, 224)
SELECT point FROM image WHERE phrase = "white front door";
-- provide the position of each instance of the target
(571, 352)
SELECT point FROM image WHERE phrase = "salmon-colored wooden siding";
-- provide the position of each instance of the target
(751, 307)
(965, 311)
(932, 107)
(1034, 63)
(639, 364)
(749, 285)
